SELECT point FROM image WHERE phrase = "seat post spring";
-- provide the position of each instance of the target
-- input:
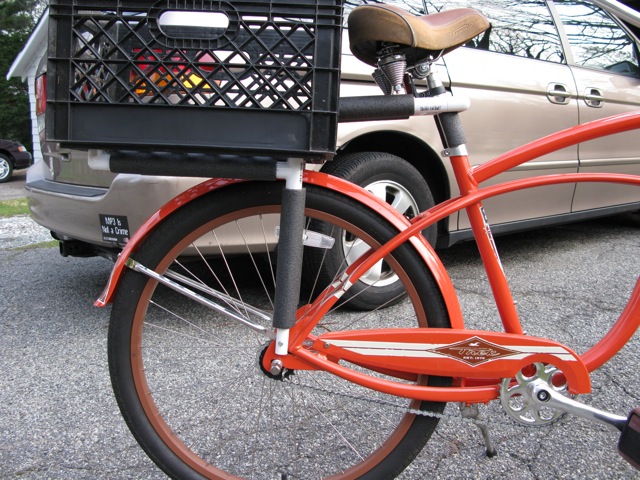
(382, 81)
(394, 66)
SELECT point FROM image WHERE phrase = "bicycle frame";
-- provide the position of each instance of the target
(227, 375)
(477, 382)
(382, 348)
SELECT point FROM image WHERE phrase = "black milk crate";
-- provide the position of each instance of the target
(237, 76)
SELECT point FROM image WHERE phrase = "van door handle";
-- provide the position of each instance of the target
(558, 93)
(593, 97)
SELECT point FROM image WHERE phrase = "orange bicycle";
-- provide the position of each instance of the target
(247, 358)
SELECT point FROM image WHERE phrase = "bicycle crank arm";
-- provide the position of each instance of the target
(548, 397)
(535, 397)
(629, 443)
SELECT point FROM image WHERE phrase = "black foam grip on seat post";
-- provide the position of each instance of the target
(289, 264)
(377, 107)
(451, 131)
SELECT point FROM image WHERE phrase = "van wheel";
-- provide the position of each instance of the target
(398, 183)
(6, 168)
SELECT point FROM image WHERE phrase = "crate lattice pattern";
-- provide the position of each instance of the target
(268, 64)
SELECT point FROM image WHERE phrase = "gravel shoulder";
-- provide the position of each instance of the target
(21, 231)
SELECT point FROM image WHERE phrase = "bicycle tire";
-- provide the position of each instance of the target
(176, 392)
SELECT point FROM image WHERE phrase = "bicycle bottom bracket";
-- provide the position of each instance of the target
(523, 396)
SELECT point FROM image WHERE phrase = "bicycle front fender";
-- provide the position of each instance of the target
(323, 180)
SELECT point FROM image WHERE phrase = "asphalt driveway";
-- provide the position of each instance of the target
(58, 418)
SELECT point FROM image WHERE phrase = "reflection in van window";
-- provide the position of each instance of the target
(520, 28)
(414, 6)
(596, 40)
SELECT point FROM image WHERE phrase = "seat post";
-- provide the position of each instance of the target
(449, 124)
(454, 142)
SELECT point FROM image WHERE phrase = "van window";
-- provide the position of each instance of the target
(414, 6)
(596, 40)
(523, 29)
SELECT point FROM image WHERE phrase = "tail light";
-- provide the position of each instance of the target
(171, 74)
(41, 94)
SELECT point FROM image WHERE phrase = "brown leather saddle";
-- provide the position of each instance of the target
(419, 37)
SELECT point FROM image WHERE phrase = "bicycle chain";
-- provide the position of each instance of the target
(483, 422)
(427, 413)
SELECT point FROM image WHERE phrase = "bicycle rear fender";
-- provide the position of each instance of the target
(167, 209)
(425, 250)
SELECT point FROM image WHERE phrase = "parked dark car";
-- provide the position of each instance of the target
(13, 156)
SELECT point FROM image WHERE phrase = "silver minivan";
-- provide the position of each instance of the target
(544, 65)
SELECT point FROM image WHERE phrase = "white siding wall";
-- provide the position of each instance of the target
(31, 80)
(25, 67)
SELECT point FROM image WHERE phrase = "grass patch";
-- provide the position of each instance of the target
(10, 208)
(33, 246)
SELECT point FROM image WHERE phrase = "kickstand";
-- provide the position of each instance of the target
(473, 412)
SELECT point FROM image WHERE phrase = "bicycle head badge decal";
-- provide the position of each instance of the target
(475, 351)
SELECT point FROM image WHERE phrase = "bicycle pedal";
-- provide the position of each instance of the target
(629, 444)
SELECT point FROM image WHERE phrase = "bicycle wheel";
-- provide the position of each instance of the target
(188, 380)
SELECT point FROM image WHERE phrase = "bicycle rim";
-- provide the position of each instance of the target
(188, 380)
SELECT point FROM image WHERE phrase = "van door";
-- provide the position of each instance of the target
(604, 61)
(521, 89)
